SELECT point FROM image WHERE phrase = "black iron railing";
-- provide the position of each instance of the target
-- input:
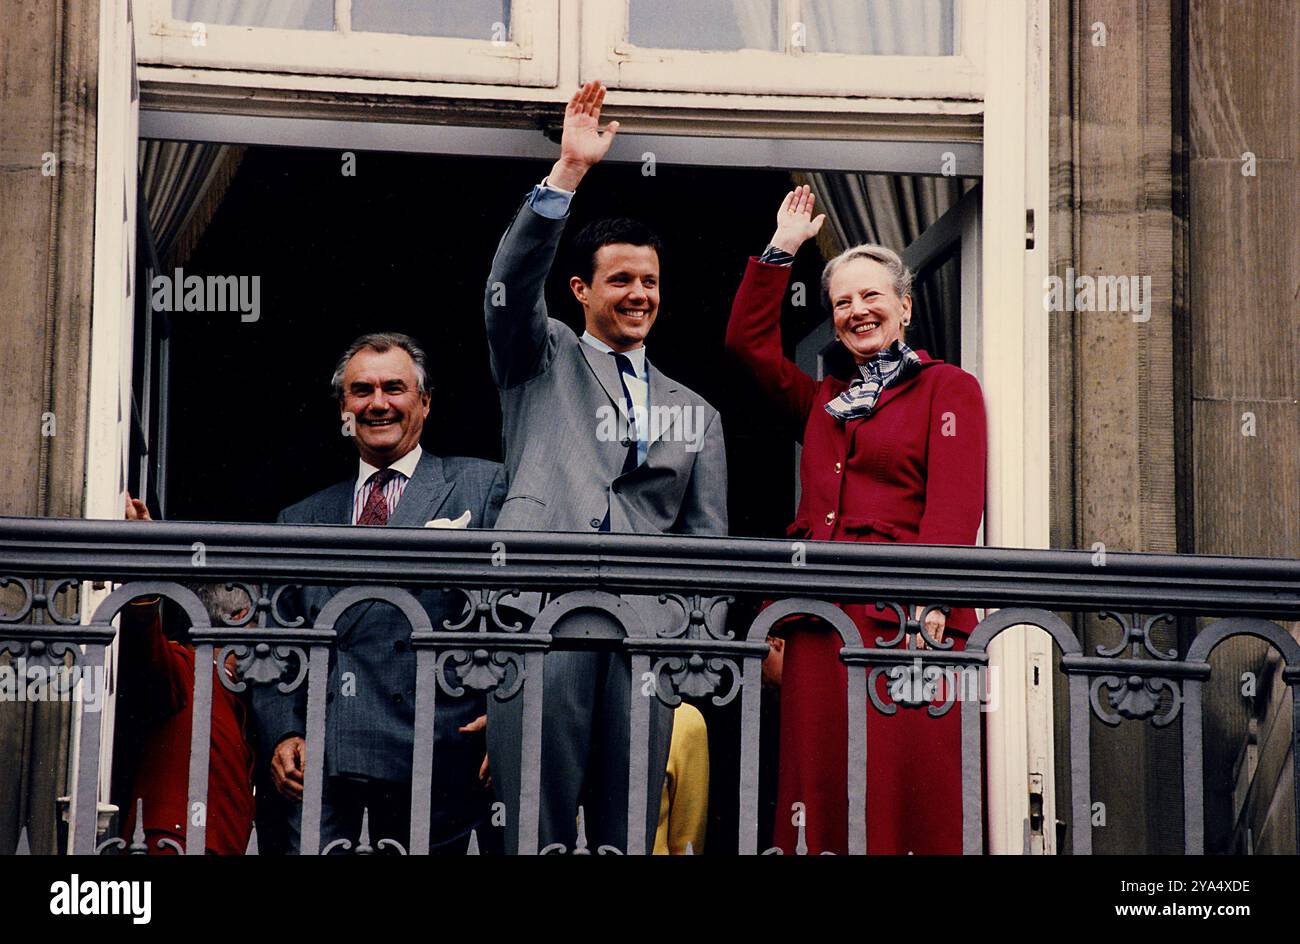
(693, 653)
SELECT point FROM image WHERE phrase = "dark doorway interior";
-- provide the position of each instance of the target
(405, 245)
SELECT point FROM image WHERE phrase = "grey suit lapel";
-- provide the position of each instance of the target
(423, 496)
(606, 371)
(669, 404)
(336, 505)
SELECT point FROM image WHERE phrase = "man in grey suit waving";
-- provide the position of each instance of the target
(596, 439)
(381, 383)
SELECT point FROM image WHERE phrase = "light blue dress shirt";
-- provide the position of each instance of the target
(549, 201)
(639, 390)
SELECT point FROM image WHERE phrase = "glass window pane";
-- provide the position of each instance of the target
(881, 27)
(278, 14)
(705, 24)
(467, 19)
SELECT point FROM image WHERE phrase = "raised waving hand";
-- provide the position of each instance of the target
(583, 143)
(795, 223)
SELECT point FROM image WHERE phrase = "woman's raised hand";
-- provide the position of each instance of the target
(794, 220)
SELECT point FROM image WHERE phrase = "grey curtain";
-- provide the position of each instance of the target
(278, 14)
(881, 27)
(470, 19)
(853, 27)
(183, 183)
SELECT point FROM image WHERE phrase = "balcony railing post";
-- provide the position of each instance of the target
(1080, 765)
(314, 774)
(530, 752)
(200, 751)
(638, 768)
(972, 775)
(858, 747)
(426, 695)
(751, 706)
(85, 797)
(1193, 786)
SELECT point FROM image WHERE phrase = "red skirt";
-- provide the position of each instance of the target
(913, 759)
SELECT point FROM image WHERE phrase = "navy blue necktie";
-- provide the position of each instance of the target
(630, 460)
(625, 370)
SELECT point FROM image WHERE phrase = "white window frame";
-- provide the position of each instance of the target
(609, 56)
(108, 423)
(530, 58)
(1016, 394)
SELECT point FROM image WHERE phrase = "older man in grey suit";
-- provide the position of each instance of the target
(382, 388)
(596, 439)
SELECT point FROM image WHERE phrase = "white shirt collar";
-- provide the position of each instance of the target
(636, 355)
(405, 465)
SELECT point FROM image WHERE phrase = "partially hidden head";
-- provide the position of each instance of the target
(382, 385)
(616, 280)
(226, 604)
(868, 291)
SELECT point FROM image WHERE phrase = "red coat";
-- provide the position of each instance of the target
(912, 472)
(156, 681)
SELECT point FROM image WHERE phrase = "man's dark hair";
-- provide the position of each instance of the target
(606, 233)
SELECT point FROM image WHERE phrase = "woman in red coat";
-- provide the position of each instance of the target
(894, 450)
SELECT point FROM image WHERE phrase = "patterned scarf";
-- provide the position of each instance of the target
(889, 366)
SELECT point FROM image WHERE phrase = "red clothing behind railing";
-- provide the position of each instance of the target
(913, 472)
(156, 687)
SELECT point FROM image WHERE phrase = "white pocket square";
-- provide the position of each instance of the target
(461, 522)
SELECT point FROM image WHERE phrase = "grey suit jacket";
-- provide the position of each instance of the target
(564, 473)
(370, 712)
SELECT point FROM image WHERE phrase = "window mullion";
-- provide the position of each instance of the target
(343, 16)
(792, 11)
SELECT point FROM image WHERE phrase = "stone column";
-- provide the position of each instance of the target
(1244, 376)
(1116, 71)
(48, 85)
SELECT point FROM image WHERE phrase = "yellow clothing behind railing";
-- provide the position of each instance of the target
(684, 803)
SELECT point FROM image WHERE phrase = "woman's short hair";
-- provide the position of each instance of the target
(379, 342)
(900, 273)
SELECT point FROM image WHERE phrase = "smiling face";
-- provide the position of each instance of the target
(867, 313)
(382, 390)
(622, 301)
